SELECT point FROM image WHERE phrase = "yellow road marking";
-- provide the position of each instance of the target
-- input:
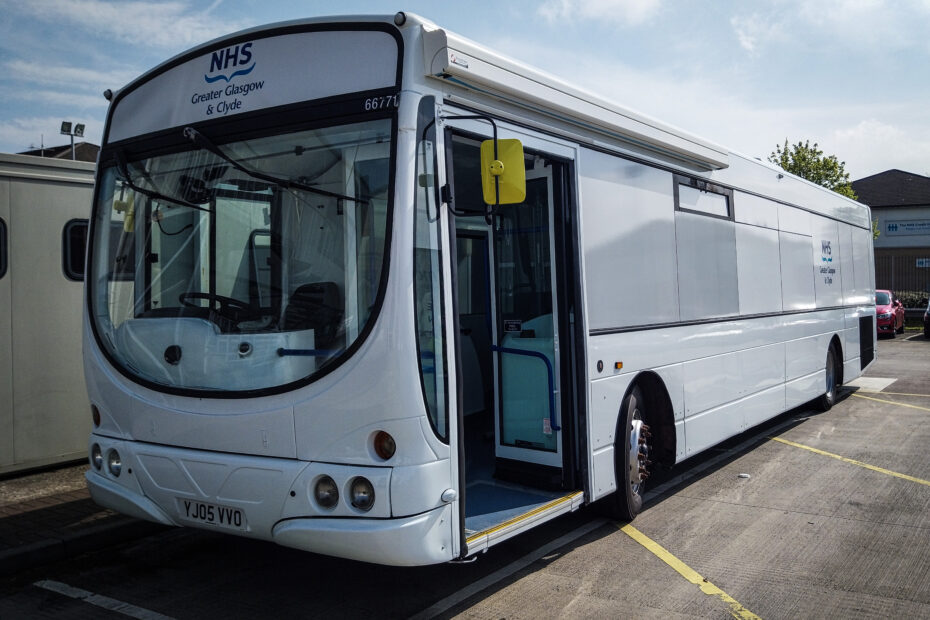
(895, 393)
(852, 461)
(891, 402)
(736, 609)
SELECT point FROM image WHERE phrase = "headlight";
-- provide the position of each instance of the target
(113, 463)
(887, 315)
(326, 492)
(362, 494)
(96, 457)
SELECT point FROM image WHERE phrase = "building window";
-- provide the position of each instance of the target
(73, 249)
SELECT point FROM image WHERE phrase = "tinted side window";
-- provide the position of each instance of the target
(73, 248)
(2, 248)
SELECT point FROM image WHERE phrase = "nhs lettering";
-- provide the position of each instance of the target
(230, 58)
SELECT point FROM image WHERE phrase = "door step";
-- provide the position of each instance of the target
(535, 514)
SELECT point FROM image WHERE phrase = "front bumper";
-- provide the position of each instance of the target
(116, 497)
(275, 496)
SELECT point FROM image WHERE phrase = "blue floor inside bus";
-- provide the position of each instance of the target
(490, 502)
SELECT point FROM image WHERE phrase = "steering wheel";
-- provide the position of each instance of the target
(228, 307)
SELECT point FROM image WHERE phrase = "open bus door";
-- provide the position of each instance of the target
(517, 421)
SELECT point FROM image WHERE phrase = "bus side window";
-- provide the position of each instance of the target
(73, 249)
(2, 248)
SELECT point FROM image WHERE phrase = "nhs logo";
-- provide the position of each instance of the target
(229, 63)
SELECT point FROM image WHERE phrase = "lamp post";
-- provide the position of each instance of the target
(77, 131)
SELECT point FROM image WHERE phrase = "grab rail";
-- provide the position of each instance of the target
(549, 375)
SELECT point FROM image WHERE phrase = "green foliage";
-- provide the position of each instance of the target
(875, 231)
(808, 162)
(913, 299)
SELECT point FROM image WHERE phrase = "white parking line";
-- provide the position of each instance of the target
(104, 602)
(871, 384)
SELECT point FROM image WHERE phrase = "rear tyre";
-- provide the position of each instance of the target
(631, 458)
(826, 401)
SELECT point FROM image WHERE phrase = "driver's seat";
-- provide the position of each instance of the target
(317, 306)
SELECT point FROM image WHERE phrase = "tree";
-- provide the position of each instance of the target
(808, 162)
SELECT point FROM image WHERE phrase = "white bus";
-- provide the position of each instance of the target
(313, 318)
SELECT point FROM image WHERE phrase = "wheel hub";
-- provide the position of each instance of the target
(639, 454)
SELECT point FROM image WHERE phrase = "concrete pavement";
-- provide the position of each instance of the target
(48, 516)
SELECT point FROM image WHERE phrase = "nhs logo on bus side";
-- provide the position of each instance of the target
(227, 62)
(827, 270)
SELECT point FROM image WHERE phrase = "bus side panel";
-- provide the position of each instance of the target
(628, 231)
(630, 278)
(805, 365)
(759, 269)
(606, 396)
(827, 253)
(850, 339)
(6, 336)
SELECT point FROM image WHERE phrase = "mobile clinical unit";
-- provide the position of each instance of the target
(360, 286)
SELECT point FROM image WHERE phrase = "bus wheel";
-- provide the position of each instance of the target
(632, 460)
(826, 401)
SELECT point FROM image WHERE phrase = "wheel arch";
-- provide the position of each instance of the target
(660, 414)
(836, 346)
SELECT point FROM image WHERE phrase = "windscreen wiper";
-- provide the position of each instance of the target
(199, 139)
(123, 168)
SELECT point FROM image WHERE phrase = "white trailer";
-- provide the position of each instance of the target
(314, 318)
(44, 209)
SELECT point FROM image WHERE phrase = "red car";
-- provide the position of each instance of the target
(889, 313)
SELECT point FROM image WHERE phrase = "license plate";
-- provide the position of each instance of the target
(212, 514)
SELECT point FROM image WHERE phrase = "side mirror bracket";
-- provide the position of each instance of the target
(503, 174)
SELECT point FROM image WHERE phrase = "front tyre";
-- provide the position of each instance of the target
(827, 400)
(632, 449)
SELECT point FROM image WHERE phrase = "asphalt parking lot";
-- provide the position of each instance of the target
(812, 515)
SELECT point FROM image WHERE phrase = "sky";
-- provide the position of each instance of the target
(851, 75)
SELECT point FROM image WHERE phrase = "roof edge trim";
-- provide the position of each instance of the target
(448, 55)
